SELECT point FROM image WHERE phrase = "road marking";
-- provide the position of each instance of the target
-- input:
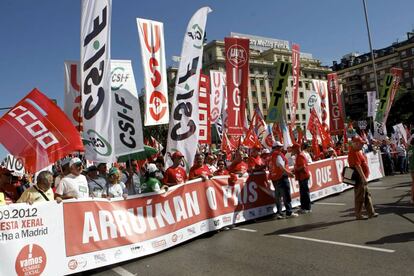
(340, 243)
(402, 188)
(377, 188)
(330, 203)
(122, 271)
(245, 229)
(395, 206)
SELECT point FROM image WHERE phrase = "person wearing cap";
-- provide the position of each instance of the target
(302, 175)
(199, 169)
(150, 182)
(175, 174)
(40, 192)
(96, 183)
(330, 153)
(358, 161)
(114, 187)
(73, 185)
(279, 174)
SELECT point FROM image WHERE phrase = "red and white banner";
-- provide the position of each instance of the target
(237, 75)
(151, 37)
(397, 74)
(72, 104)
(295, 76)
(218, 90)
(79, 235)
(322, 105)
(183, 130)
(204, 110)
(36, 130)
(335, 105)
(96, 80)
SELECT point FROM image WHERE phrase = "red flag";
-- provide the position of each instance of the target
(237, 69)
(291, 134)
(315, 146)
(36, 130)
(204, 110)
(300, 135)
(226, 146)
(277, 132)
(251, 140)
(335, 105)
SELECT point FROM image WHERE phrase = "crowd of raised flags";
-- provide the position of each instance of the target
(103, 121)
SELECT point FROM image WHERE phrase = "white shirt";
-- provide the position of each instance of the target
(308, 156)
(114, 190)
(136, 187)
(72, 185)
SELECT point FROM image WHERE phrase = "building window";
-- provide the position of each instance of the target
(307, 85)
(408, 85)
(404, 53)
(286, 94)
(300, 84)
(405, 64)
(372, 85)
(306, 75)
(264, 106)
(303, 117)
(302, 106)
(313, 76)
(291, 83)
(251, 70)
(252, 82)
(263, 94)
(254, 94)
(320, 77)
(287, 105)
(297, 116)
(301, 95)
(288, 116)
(406, 74)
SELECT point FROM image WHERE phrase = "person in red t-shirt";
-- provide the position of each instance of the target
(199, 169)
(302, 175)
(358, 162)
(238, 166)
(175, 174)
(221, 168)
(255, 161)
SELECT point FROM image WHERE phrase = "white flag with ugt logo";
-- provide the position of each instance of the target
(151, 37)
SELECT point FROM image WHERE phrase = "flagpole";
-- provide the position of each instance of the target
(370, 47)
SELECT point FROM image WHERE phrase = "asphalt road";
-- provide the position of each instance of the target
(327, 241)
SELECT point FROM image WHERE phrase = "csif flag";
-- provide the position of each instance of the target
(98, 131)
(184, 122)
(295, 75)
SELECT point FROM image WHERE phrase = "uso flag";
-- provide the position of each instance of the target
(36, 130)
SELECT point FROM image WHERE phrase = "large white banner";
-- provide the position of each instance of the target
(128, 136)
(372, 103)
(183, 130)
(95, 80)
(72, 105)
(151, 37)
(218, 90)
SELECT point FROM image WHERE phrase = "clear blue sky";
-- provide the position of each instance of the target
(37, 36)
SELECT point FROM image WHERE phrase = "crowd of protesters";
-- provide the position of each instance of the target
(71, 179)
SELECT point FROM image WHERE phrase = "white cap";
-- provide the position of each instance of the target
(151, 168)
(277, 144)
(65, 161)
(266, 151)
(74, 161)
